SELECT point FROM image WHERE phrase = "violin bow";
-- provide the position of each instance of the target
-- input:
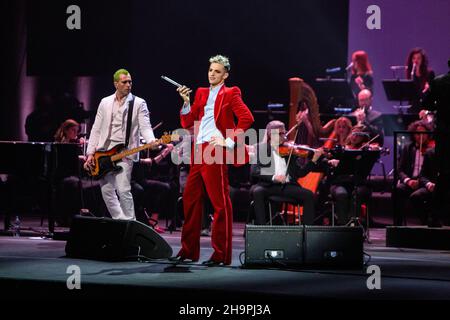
(368, 142)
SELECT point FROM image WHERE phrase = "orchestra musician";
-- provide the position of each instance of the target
(368, 117)
(409, 166)
(438, 99)
(361, 73)
(341, 131)
(427, 184)
(72, 190)
(68, 132)
(279, 175)
(342, 186)
(417, 70)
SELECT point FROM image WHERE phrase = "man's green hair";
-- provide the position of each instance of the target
(118, 73)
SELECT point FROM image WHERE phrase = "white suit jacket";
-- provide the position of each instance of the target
(140, 125)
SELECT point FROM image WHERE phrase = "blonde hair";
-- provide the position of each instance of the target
(345, 121)
(221, 60)
(60, 135)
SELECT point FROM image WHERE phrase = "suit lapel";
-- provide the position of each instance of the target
(218, 104)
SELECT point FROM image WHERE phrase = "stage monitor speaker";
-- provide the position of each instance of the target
(114, 240)
(273, 245)
(334, 247)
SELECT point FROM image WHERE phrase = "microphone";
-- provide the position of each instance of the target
(333, 70)
(349, 66)
(398, 67)
(176, 84)
(413, 70)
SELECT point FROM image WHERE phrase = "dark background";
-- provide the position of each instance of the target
(267, 43)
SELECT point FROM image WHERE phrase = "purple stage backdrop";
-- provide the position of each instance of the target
(405, 24)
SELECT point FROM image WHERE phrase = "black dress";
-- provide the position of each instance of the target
(419, 83)
(367, 80)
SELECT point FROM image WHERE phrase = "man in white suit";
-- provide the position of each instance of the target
(109, 129)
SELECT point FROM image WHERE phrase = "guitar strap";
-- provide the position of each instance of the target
(130, 116)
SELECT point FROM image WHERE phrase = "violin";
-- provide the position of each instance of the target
(303, 151)
(428, 145)
(370, 147)
(298, 150)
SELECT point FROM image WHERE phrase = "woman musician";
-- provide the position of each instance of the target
(342, 186)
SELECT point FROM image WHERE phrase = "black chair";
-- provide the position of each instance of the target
(286, 201)
(330, 201)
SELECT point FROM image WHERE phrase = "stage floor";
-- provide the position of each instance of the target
(33, 267)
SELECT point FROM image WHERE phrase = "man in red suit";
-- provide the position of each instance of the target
(215, 131)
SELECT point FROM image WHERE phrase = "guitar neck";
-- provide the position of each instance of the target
(129, 152)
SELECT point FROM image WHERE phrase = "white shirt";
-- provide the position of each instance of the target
(208, 128)
(418, 161)
(280, 165)
(117, 122)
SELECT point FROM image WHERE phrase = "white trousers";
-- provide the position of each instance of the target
(116, 192)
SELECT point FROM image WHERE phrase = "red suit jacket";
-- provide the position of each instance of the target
(228, 105)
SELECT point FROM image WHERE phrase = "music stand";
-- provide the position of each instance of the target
(400, 90)
(335, 94)
(357, 164)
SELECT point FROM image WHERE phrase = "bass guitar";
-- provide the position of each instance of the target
(106, 161)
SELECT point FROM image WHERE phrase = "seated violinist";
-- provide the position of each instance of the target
(409, 166)
(342, 129)
(342, 186)
(277, 171)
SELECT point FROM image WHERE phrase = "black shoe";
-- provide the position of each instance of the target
(174, 226)
(180, 259)
(176, 259)
(211, 263)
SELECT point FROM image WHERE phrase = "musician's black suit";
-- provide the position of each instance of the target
(265, 187)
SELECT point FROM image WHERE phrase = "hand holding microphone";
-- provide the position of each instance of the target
(184, 93)
(182, 90)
